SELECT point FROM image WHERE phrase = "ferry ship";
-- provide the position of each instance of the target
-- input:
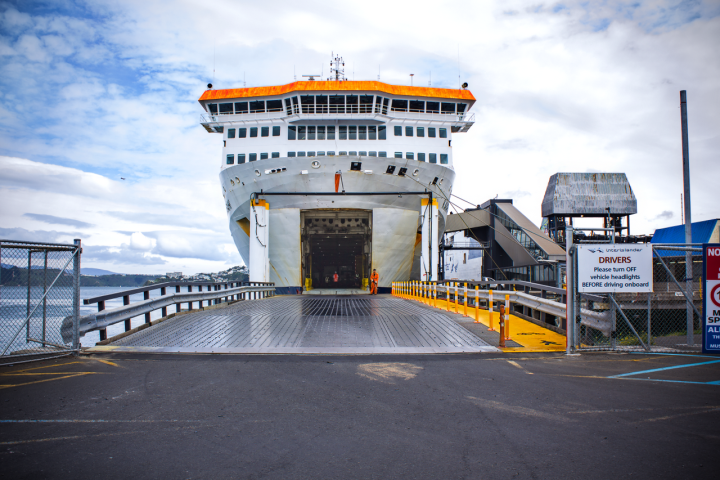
(326, 180)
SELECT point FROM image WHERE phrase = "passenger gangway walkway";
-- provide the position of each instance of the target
(307, 325)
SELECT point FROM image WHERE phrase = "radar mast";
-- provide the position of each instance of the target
(337, 69)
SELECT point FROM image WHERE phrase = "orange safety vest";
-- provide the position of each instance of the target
(375, 278)
(335, 277)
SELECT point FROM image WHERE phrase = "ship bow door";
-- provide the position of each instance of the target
(336, 247)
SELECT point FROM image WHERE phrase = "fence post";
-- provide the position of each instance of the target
(465, 301)
(128, 322)
(507, 317)
(490, 312)
(29, 293)
(649, 320)
(44, 324)
(502, 326)
(163, 291)
(76, 295)
(569, 292)
(146, 296)
(457, 291)
(477, 304)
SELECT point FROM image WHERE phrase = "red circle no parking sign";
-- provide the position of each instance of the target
(715, 295)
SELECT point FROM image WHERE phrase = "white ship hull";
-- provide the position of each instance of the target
(394, 219)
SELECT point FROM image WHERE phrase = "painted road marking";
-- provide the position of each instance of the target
(94, 421)
(664, 368)
(32, 372)
(515, 364)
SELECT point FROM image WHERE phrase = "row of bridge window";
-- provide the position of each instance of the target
(253, 157)
(337, 104)
(344, 132)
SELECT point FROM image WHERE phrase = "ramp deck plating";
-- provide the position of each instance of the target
(307, 325)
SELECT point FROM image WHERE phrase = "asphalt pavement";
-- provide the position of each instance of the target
(401, 416)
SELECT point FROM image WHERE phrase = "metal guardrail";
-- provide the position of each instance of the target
(125, 294)
(104, 318)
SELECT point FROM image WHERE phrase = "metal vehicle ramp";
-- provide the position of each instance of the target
(306, 325)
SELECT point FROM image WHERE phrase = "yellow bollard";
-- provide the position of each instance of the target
(465, 302)
(455, 285)
(507, 317)
(490, 312)
(447, 297)
(502, 326)
(477, 305)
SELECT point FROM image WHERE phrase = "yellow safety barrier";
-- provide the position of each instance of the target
(490, 312)
(435, 294)
(447, 297)
(455, 284)
(465, 301)
(507, 317)
(477, 305)
(502, 326)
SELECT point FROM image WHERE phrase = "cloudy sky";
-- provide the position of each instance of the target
(94, 91)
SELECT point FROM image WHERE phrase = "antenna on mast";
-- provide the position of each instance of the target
(337, 68)
(458, 66)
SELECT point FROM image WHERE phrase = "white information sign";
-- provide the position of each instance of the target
(622, 268)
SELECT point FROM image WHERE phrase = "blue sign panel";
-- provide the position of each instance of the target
(711, 298)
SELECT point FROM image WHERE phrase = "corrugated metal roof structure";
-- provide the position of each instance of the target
(702, 232)
(570, 194)
(349, 85)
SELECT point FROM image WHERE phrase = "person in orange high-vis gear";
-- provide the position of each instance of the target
(374, 279)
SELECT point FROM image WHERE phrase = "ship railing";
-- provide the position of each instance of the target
(216, 293)
(450, 118)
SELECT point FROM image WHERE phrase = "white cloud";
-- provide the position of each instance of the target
(140, 242)
(578, 86)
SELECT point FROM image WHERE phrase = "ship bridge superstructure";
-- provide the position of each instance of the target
(326, 118)
(305, 138)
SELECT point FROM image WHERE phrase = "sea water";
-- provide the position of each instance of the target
(14, 331)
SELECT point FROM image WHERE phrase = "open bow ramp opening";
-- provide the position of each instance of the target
(306, 325)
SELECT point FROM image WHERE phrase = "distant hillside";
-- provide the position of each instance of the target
(17, 277)
(116, 280)
(96, 272)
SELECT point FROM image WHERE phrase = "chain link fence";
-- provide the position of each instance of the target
(39, 288)
(666, 319)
